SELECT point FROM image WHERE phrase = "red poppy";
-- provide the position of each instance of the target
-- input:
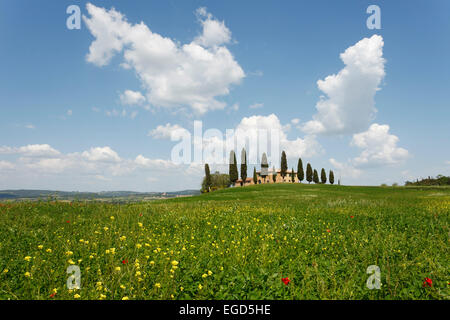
(140, 214)
(124, 261)
(352, 217)
(285, 280)
(53, 294)
(328, 230)
(427, 282)
(68, 221)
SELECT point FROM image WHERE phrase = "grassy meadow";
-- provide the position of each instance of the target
(236, 243)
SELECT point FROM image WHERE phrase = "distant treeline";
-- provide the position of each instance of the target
(440, 180)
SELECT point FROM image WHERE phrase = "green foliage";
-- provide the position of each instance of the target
(323, 176)
(292, 176)
(300, 172)
(233, 171)
(321, 237)
(309, 173)
(284, 166)
(208, 182)
(243, 165)
(440, 180)
(331, 177)
(218, 181)
(255, 178)
(315, 176)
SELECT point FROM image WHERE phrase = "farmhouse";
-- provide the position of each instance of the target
(268, 179)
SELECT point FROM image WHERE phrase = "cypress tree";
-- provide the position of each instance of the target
(243, 166)
(208, 180)
(309, 173)
(323, 176)
(233, 168)
(315, 176)
(300, 172)
(274, 175)
(331, 177)
(293, 176)
(255, 178)
(283, 164)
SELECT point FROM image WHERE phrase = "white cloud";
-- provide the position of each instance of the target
(69, 112)
(379, 147)
(30, 126)
(295, 121)
(256, 105)
(345, 169)
(130, 97)
(447, 162)
(172, 74)
(6, 165)
(103, 154)
(164, 132)
(32, 150)
(349, 105)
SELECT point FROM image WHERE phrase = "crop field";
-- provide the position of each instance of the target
(287, 241)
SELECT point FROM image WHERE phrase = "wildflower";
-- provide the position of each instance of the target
(122, 287)
(27, 274)
(40, 247)
(204, 275)
(77, 296)
(285, 280)
(112, 217)
(49, 250)
(181, 288)
(352, 217)
(158, 285)
(70, 261)
(328, 230)
(27, 258)
(209, 272)
(174, 263)
(68, 221)
(123, 238)
(105, 228)
(5, 271)
(138, 245)
(427, 282)
(152, 262)
(53, 295)
(69, 253)
(200, 287)
(140, 224)
(117, 269)
(125, 298)
(138, 273)
(102, 296)
(124, 261)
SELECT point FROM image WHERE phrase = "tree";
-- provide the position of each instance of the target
(292, 176)
(309, 173)
(283, 165)
(243, 166)
(315, 176)
(233, 172)
(208, 181)
(331, 177)
(274, 175)
(264, 167)
(300, 172)
(255, 177)
(218, 181)
(323, 176)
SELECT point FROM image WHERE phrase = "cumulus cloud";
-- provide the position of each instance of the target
(379, 147)
(130, 97)
(346, 169)
(6, 165)
(173, 75)
(104, 154)
(164, 131)
(348, 105)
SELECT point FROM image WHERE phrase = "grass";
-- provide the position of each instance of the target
(236, 243)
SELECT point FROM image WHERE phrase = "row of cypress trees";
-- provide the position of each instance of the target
(311, 175)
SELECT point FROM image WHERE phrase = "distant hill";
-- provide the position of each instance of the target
(104, 195)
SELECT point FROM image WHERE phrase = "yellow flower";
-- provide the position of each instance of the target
(112, 217)
(117, 269)
(5, 271)
(204, 275)
(181, 288)
(70, 261)
(138, 245)
(49, 250)
(68, 253)
(140, 224)
(138, 273)
(158, 285)
(106, 228)
(27, 258)
(55, 290)
(152, 262)
(125, 298)
(27, 274)
(40, 247)
(200, 287)
(122, 286)
(209, 272)
(174, 262)
(123, 238)
(102, 296)
(77, 296)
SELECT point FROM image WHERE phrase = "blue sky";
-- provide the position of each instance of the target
(64, 125)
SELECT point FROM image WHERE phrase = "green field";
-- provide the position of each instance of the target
(236, 243)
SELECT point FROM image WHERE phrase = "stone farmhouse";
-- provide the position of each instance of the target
(268, 179)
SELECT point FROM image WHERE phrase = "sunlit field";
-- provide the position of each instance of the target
(259, 242)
